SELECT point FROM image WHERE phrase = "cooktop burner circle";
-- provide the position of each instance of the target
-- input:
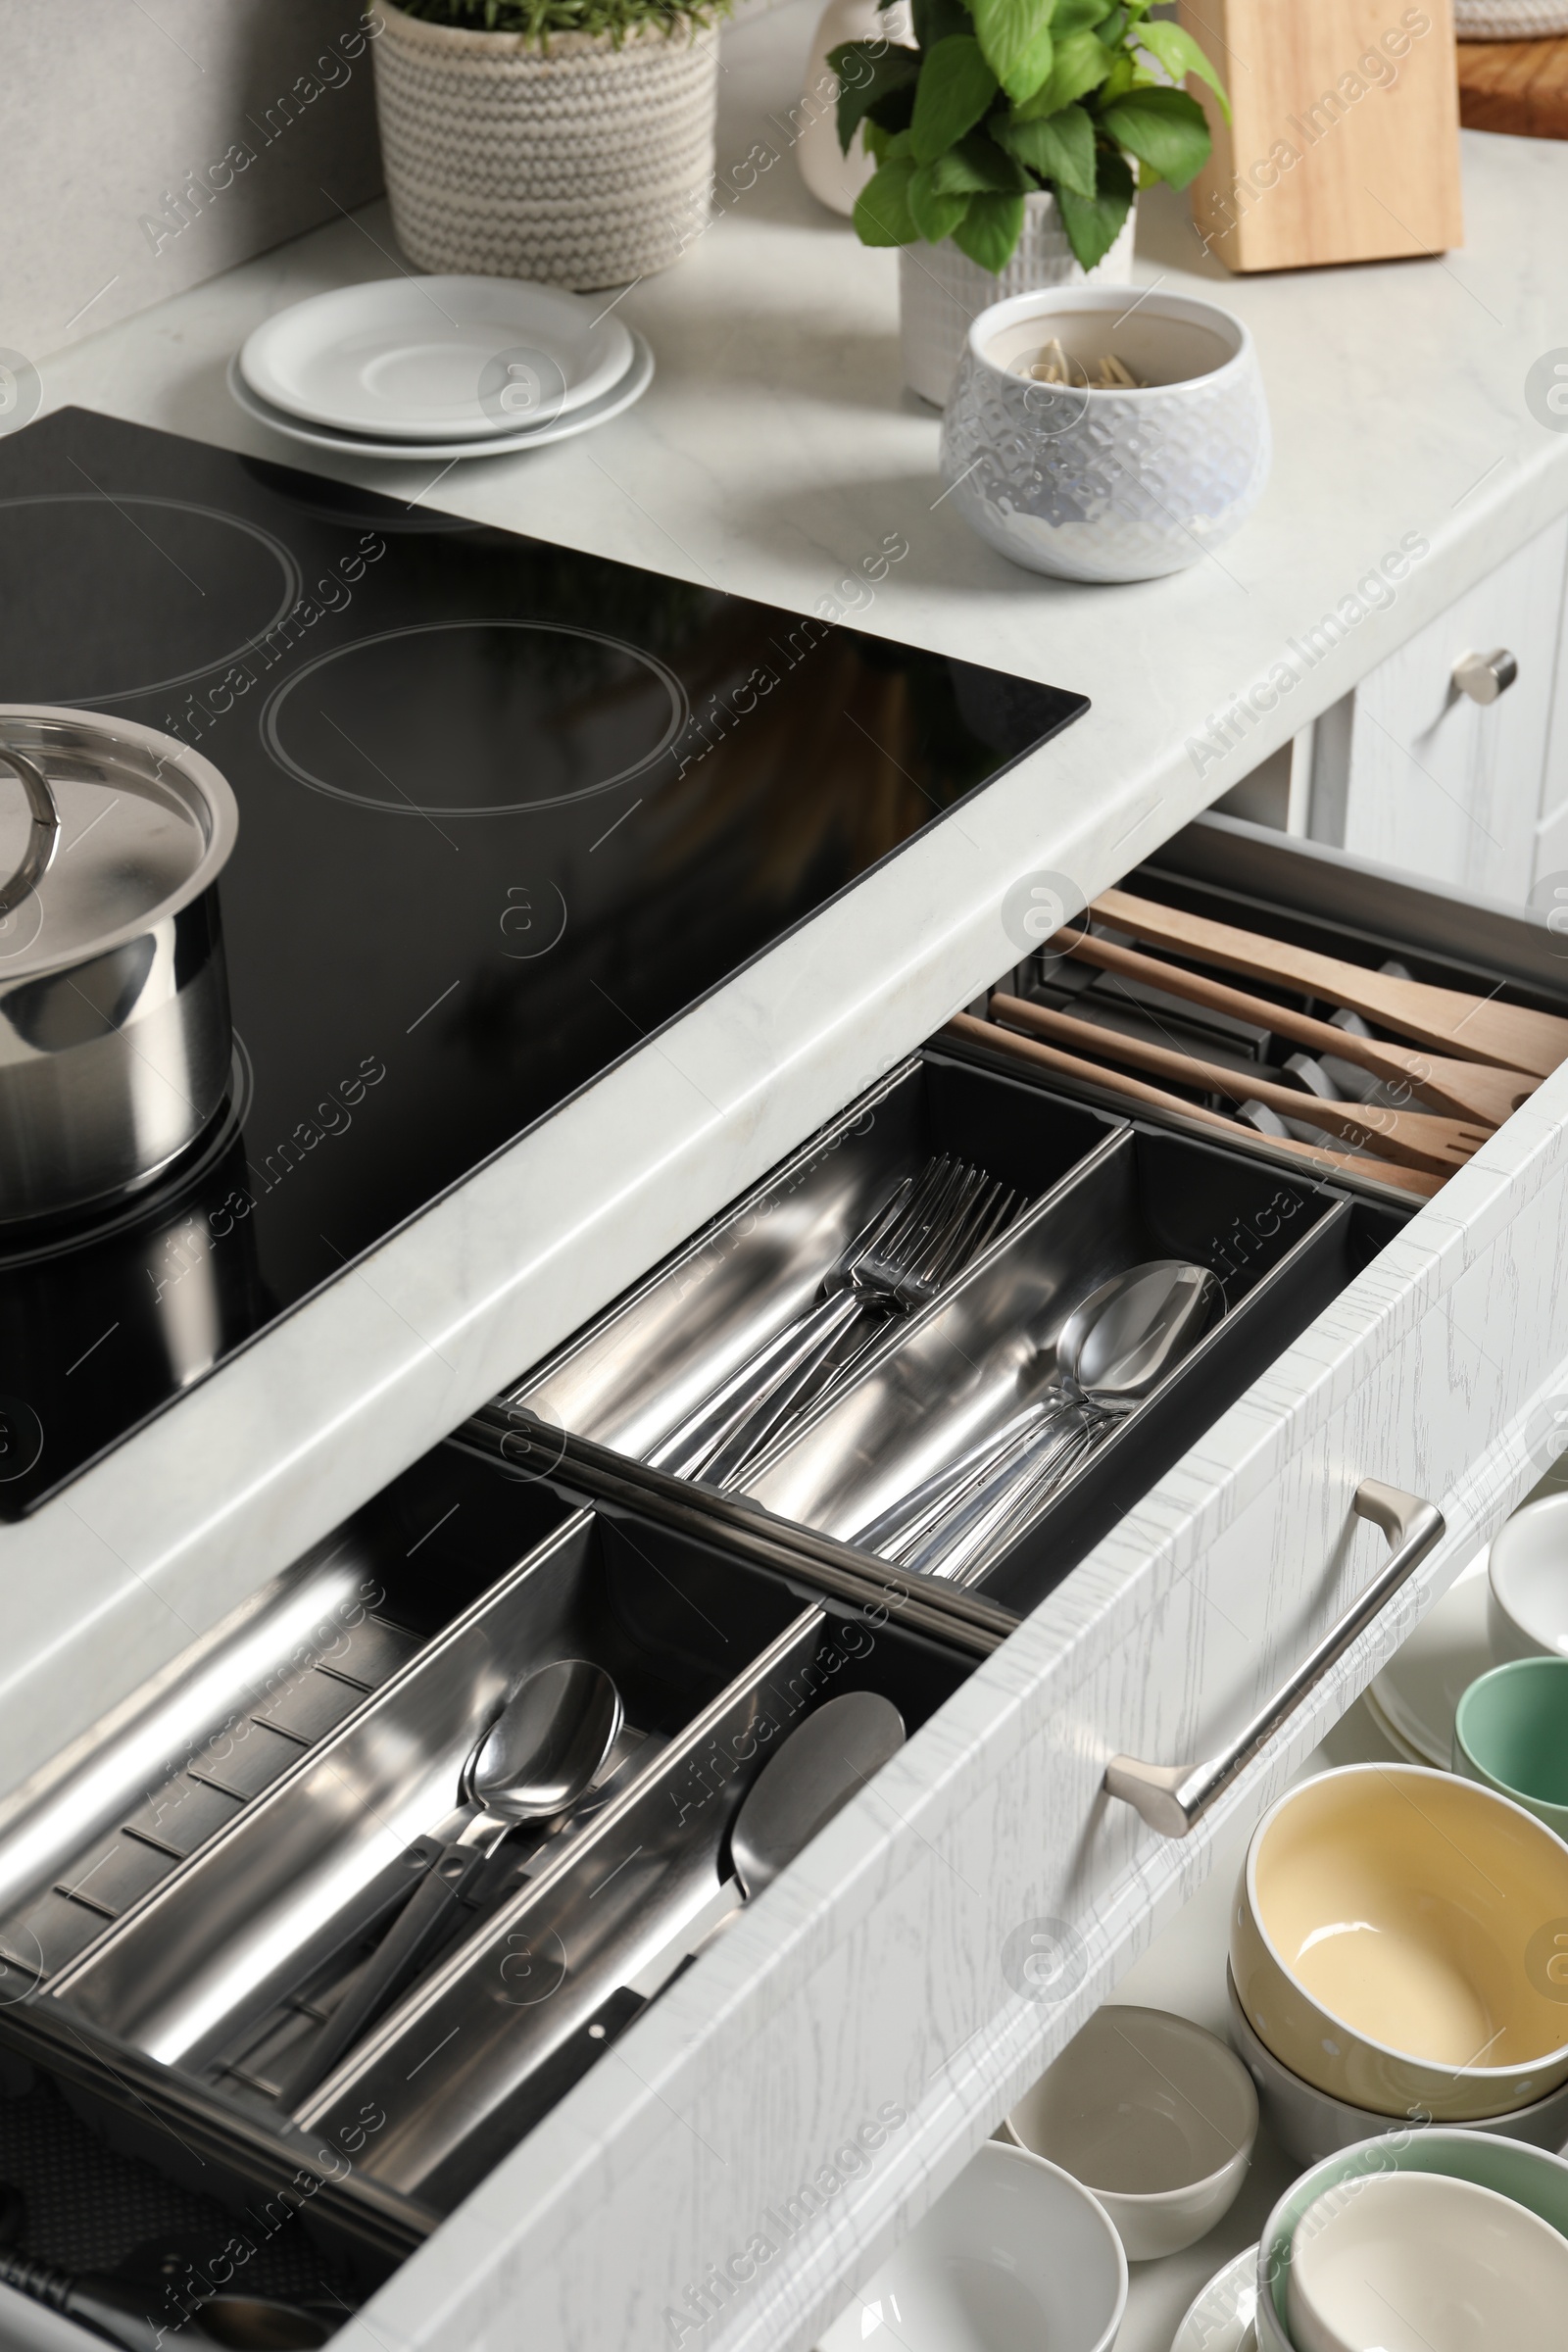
(99, 584)
(413, 720)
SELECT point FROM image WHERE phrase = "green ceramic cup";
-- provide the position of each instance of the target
(1510, 1732)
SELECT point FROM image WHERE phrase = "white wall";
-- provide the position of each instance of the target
(107, 107)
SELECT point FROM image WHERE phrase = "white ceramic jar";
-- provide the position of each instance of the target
(942, 292)
(1108, 485)
(834, 178)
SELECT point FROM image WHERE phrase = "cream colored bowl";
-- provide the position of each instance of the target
(1389, 1942)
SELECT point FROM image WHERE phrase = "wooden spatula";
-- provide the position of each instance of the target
(1475, 1028)
(1470, 1090)
(1418, 1138)
(1069, 1065)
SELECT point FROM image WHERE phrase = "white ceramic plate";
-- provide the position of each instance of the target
(1422, 1685)
(631, 387)
(1220, 2320)
(436, 359)
(1385, 1730)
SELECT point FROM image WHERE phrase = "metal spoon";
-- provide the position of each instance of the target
(820, 1766)
(538, 1757)
(824, 1761)
(1113, 1352)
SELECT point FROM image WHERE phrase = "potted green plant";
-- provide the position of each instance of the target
(1007, 140)
(568, 140)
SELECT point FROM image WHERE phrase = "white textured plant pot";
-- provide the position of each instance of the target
(942, 292)
(1116, 486)
(582, 165)
(1510, 19)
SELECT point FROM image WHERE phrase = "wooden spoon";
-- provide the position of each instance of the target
(1476, 1028)
(1419, 1138)
(1008, 1041)
(1470, 1090)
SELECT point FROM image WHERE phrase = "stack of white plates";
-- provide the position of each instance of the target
(440, 368)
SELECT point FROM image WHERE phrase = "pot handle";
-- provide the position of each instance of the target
(43, 834)
(1174, 1797)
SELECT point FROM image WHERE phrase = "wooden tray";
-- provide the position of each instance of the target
(1520, 87)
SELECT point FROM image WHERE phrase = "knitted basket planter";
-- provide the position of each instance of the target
(582, 165)
(1510, 19)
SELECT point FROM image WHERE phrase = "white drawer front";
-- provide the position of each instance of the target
(1439, 784)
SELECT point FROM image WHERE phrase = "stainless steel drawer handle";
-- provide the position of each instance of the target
(1174, 1797)
(1483, 676)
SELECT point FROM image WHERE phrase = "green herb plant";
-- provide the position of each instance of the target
(539, 18)
(1000, 97)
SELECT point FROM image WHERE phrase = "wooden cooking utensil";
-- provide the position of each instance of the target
(1419, 1138)
(1025, 1049)
(1476, 1028)
(1470, 1090)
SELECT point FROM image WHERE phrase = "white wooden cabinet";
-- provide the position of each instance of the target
(1408, 771)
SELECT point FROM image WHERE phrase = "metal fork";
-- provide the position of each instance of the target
(897, 1276)
(929, 1227)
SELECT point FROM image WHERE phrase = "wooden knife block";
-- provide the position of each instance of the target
(1346, 140)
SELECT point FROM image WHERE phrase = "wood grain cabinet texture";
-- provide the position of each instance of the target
(1411, 773)
(749, 2151)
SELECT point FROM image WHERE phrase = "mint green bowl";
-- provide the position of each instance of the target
(1510, 1732)
(1529, 2176)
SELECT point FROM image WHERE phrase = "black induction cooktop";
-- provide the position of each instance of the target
(505, 812)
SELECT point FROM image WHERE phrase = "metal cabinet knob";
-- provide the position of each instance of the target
(1483, 676)
(1174, 1797)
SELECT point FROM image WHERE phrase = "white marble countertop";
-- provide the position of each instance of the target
(774, 452)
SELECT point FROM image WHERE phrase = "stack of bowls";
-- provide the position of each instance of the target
(1436, 2241)
(1391, 1961)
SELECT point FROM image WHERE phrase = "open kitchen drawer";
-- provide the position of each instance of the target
(746, 2149)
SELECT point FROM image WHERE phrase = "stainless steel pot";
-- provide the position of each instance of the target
(115, 1043)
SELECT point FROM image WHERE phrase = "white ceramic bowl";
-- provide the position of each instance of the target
(1154, 2115)
(1309, 2125)
(1527, 1579)
(1108, 485)
(1531, 2177)
(1416, 2262)
(1015, 2254)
